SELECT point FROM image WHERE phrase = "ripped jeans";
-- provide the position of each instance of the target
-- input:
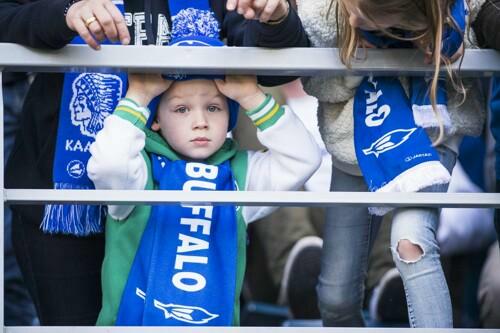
(349, 233)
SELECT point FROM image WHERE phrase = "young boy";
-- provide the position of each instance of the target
(184, 265)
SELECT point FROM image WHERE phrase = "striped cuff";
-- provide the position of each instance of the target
(133, 112)
(266, 114)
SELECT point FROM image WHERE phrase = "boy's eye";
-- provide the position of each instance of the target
(213, 108)
(181, 109)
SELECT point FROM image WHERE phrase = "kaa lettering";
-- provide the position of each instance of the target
(76, 145)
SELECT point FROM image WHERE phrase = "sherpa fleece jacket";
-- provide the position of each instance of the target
(335, 93)
(120, 161)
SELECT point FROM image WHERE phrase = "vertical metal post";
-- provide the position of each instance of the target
(1, 209)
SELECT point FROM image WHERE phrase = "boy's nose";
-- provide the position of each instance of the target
(200, 120)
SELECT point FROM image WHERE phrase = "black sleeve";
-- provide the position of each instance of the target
(39, 24)
(487, 25)
(289, 33)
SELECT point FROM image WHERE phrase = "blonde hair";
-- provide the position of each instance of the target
(424, 18)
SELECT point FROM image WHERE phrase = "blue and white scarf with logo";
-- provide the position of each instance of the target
(184, 271)
(393, 150)
(87, 99)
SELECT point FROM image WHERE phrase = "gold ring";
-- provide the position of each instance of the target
(90, 20)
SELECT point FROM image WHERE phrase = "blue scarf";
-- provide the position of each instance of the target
(184, 271)
(393, 150)
(87, 99)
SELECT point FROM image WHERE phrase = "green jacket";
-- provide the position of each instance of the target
(123, 237)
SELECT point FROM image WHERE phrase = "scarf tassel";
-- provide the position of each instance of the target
(78, 220)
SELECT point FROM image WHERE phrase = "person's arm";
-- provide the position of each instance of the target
(39, 24)
(287, 31)
(291, 158)
(118, 160)
(292, 155)
(487, 25)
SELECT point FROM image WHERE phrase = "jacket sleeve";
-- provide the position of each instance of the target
(117, 161)
(289, 33)
(291, 157)
(39, 24)
(487, 25)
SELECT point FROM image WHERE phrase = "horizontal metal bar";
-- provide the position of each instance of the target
(253, 198)
(122, 329)
(233, 60)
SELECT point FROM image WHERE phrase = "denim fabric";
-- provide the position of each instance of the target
(497, 211)
(495, 120)
(348, 238)
(495, 130)
(18, 306)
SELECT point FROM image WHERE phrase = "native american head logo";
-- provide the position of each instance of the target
(94, 98)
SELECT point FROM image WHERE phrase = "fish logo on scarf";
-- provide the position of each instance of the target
(389, 141)
(94, 97)
(76, 169)
(188, 314)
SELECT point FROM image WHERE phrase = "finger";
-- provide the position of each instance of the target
(220, 84)
(250, 14)
(428, 58)
(243, 6)
(258, 6)
(269, 10)
(85, 34)
(121, 26)
(231, 4)
(167, 84)
(457, 54)
(96, 30)
(106, 22)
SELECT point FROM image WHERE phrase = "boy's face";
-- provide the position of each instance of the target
(193, 118)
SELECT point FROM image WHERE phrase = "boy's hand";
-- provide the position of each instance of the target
(242, 89)
(142, 88)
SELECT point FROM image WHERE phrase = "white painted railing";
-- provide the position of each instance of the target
(230, 60)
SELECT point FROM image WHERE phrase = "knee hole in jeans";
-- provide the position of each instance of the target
(409, 251)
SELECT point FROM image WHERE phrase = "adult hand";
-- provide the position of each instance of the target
(262, 10)
(96, 20)
(142, 88)
(242, 89)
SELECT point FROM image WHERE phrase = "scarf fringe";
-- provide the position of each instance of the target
(78, 220)
(414, 180)
(425, 117)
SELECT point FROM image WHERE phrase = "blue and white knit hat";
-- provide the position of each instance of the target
(197, 26)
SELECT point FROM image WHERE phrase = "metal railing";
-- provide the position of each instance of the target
(231, 60)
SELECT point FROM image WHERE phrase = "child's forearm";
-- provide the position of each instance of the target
(253, 101)
(140, 97)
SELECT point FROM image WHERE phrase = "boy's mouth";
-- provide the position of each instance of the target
(200, 140)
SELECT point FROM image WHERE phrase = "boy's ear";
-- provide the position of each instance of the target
(155, 126)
